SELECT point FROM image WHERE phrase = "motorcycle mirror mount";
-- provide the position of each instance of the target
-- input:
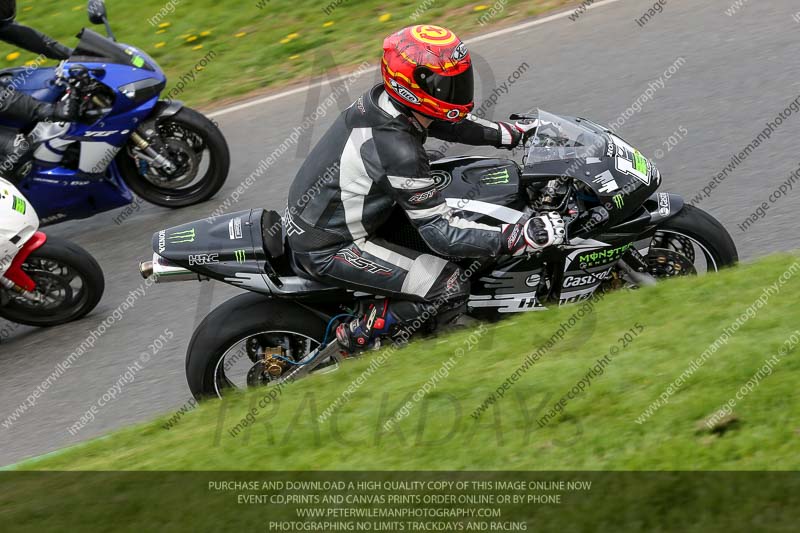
(99, 15)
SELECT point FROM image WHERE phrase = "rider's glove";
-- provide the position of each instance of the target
(543, 231)
(67, 109)
(534, 236)
(512, 135)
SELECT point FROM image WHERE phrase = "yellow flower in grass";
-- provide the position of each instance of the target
(205, 33)
(191, 38)
(328, 24)
(296, 56)
(159, 32)
(240, 34)
(198, 47)
(162, 44)
(30, 63)
(480, 7)
(285, 40)
(27, 8)
(165, 25)
(12, 56)
(293, 36)
(386, 17)
(79, 8)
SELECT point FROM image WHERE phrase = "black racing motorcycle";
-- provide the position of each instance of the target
(621, 232)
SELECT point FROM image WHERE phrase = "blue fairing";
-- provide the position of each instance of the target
(59, 193)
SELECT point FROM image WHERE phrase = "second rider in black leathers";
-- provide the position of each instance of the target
(17, 106)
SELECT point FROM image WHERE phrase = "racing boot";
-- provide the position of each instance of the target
(363, 333)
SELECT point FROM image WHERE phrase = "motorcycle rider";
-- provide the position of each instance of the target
(19, 107)
(373, 158)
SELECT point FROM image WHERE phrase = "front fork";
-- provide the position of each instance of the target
(142, 138)
(151, 155)
(15, 279)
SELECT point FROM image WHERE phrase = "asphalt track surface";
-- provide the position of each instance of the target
(737, 73)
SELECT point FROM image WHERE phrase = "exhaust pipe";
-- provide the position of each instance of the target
(146, 269)
(162, 271)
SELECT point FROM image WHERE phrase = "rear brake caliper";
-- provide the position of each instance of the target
(270, 362)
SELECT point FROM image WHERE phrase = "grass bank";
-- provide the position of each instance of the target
(650, 368)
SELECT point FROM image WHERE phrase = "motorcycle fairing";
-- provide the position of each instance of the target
(512, 286)
(97, 185)
(471, 181)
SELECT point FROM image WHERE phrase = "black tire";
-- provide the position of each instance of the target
(234, 321)
(74, 257)
(197, 192)
(706, 230)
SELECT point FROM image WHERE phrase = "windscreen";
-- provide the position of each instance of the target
(558, 138)
(93, 44)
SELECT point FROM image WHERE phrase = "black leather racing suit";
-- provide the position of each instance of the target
(18, 106)
(371, 159)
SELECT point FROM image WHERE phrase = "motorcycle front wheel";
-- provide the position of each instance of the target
(198, 149)
(690, 243)
(68, 279)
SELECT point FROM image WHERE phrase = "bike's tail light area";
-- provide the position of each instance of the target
(227, 246)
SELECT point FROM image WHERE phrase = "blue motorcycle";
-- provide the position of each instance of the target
(130, 140)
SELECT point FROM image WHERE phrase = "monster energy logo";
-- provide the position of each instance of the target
(500, 177)
(182, 237)
(240, 256)
(619, 201)
(19, 205)
(601, 257)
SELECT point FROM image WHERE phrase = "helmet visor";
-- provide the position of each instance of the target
(457, 90)
(8, 10)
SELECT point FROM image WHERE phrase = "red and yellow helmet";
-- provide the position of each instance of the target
(428, 69)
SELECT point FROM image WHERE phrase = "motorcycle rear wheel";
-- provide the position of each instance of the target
(69, 278)
(228, 339)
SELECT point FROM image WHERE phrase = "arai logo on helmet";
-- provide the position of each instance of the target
(404, 93)
(453, 114)
(460, 52)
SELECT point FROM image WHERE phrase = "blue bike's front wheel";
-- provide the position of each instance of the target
(200, 156)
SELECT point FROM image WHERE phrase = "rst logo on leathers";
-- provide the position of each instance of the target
(422, 196)
(351, 257)
(203, 259)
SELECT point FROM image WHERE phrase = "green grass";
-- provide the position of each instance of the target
(597, 430)
(136, 479)
(252, 48)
